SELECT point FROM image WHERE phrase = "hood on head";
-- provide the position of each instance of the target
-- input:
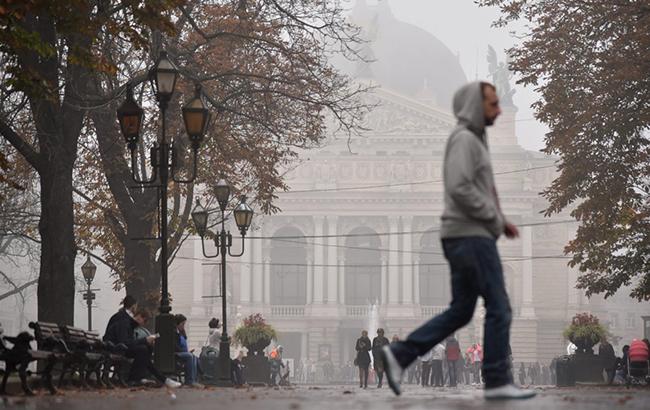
(468, 107)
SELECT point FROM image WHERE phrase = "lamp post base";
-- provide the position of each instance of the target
(166, 344)
(224, 366)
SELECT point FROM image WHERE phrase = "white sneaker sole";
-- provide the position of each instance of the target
(523, 396)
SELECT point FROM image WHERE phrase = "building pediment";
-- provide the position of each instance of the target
(396, 114)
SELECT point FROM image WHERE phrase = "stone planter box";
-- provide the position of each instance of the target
(587, 368)
(257, 369)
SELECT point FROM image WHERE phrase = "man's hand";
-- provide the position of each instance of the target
(151, 340)
(511, 231)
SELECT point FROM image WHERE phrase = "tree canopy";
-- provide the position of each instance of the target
(263, 67)
(264, 71)
(589, 62)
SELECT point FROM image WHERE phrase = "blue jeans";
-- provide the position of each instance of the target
(190, 365)
(475, 271)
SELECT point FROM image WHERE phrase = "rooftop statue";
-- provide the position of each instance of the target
(501, 76)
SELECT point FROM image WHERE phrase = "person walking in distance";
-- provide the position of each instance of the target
(377, 344)
(452, 354)
(472, 221)
(363, 358)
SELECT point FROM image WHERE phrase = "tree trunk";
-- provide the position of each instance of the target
(138, 213)
(143, 280)
(56, 283)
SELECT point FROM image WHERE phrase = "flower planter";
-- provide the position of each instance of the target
(584, 344)
(258, 347)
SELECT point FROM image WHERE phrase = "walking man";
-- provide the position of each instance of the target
(377, 344)
(472, 222)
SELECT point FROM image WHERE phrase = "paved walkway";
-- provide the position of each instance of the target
(330, 398)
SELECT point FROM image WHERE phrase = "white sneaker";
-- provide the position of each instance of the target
(394, 371)
(507, 392)
(172, 384)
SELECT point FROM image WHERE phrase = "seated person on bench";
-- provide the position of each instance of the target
(190, 362)
(122, 331)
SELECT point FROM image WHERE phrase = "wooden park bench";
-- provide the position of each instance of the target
(85, 356)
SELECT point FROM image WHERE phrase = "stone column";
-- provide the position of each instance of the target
(407, 260)
(341, 276)
(318, 260)
(258, 277)
(310, 279)
(527, 306)
(573, 298)
(416, 279)
(197, 271)
(246, 270)
(393, 262)
(384, 279)
(332, 260)
(267, 280)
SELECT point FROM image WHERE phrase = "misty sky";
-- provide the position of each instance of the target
(466, 30)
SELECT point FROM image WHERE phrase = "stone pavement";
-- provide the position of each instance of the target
(330, 398)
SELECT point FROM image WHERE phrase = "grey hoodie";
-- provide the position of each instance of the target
(471, 203)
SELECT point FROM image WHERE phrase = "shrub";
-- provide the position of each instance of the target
(254, 330)
(585, 326)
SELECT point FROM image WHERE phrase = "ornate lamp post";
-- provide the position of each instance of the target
(164, 164)
(88, 270)
(223, 241)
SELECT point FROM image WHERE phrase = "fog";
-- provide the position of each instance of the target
(370, 257)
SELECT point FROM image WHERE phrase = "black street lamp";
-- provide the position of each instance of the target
(163, 78)
(223, 241)
(88, 270)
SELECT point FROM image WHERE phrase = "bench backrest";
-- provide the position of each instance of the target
(81, 339)
(93, 338)
(48, 335)
(74, 336)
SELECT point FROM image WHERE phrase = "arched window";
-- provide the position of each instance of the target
(212, 284)
(362, 267)
(434, 272)
(288, 268)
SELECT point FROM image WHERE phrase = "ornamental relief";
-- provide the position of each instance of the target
(392, 120)
(363, 171)
(419, 172)
(382, 171)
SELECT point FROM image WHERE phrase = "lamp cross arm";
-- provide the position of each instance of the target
(134, 168)
(243, 247)
(204, 252)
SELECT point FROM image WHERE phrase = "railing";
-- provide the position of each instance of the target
(357, 311)
(430, 311)
(287, 310)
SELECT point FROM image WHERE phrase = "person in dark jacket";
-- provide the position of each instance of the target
(377, 344)
(363, 347)
(122, 332)
(129, 306)
(608, 359)
(522, 374)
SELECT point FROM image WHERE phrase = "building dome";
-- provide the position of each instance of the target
(406, 58)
